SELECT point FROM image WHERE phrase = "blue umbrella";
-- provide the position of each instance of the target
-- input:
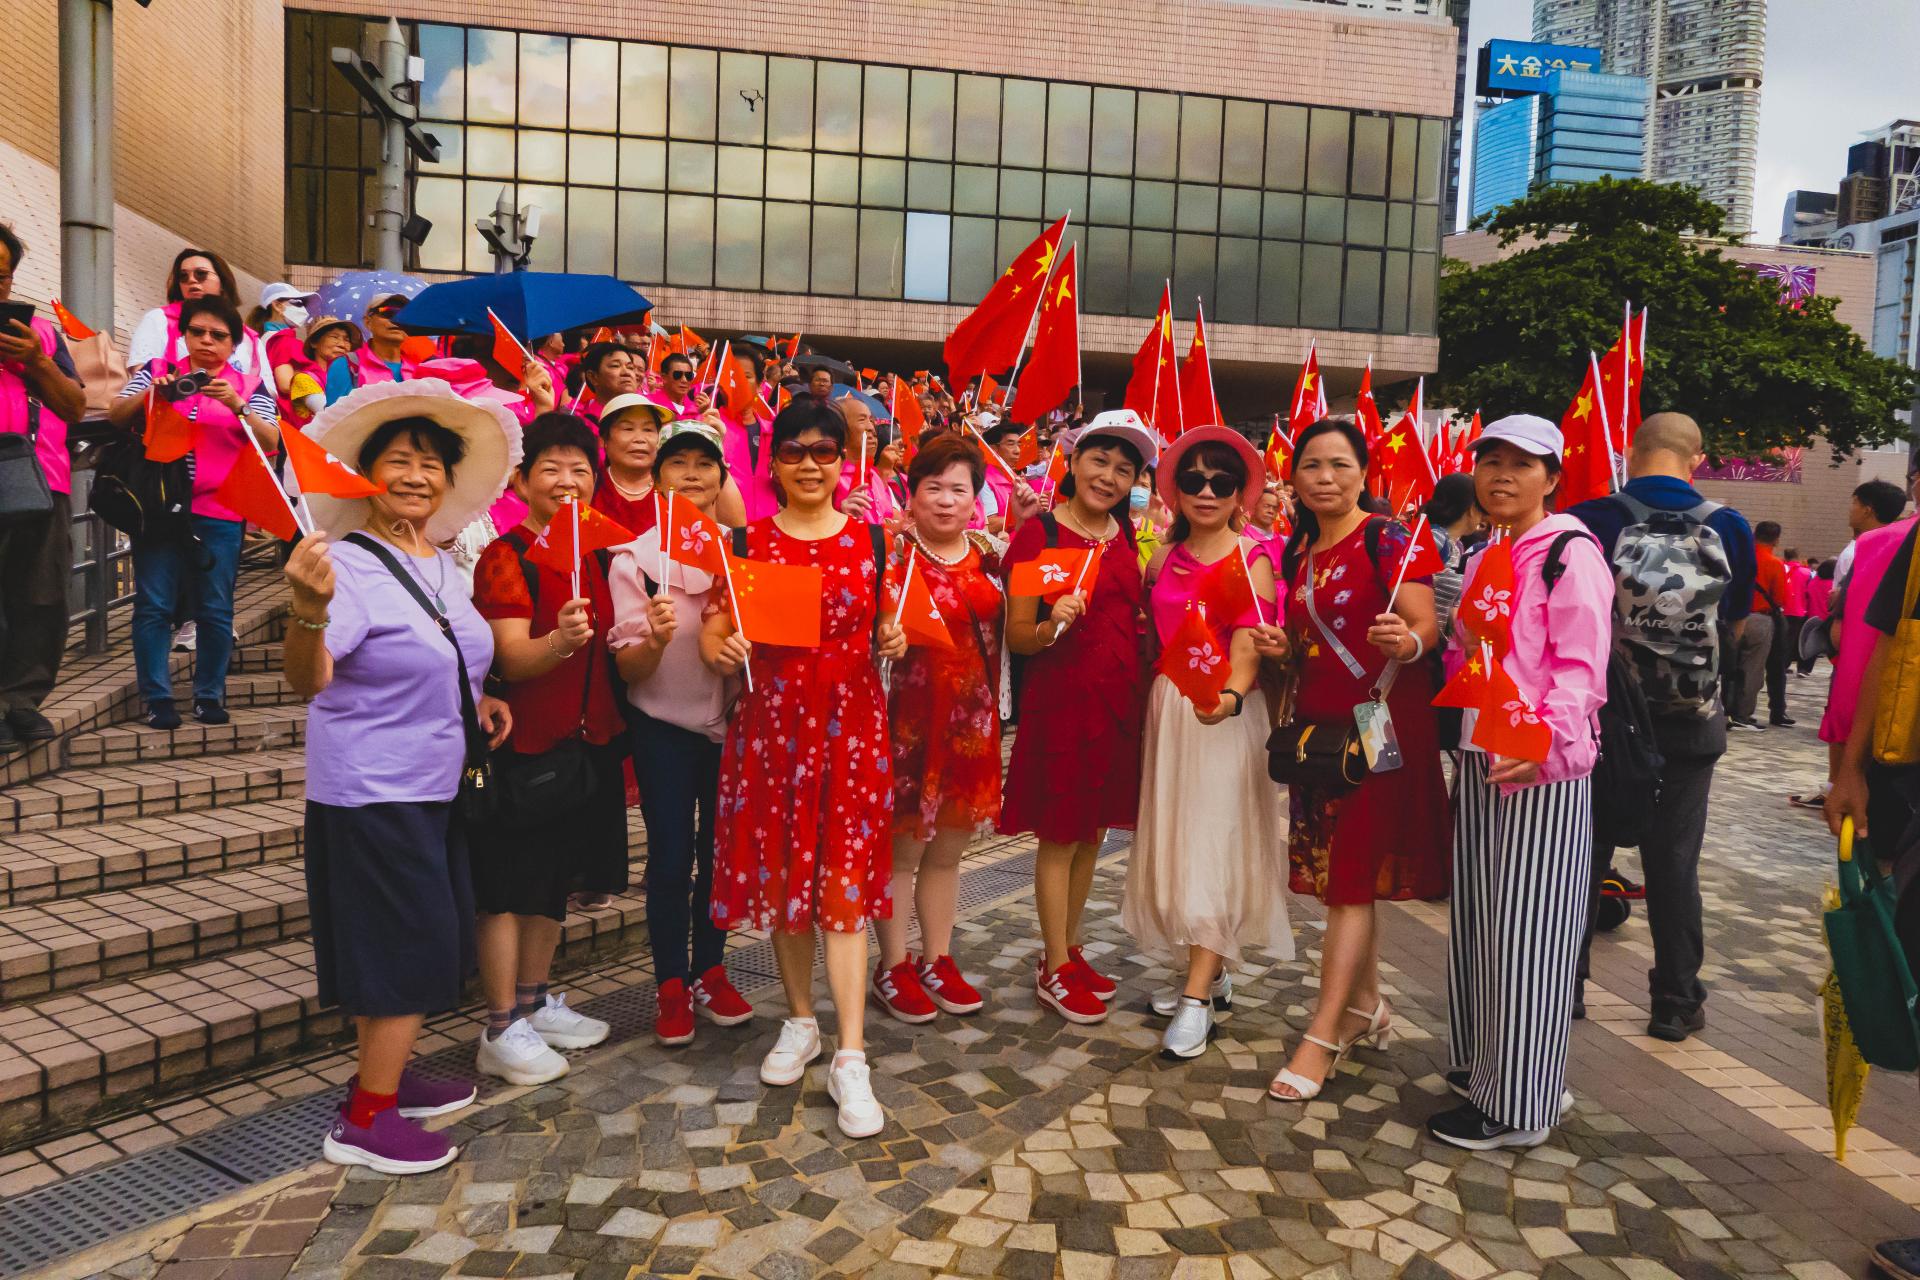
(348, 295)
(530, 303)
(841, 391)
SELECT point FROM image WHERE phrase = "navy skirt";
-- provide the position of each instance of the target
(392, 903)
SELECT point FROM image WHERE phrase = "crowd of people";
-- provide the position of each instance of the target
(480, 716)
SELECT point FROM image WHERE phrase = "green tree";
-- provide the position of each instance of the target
(1756, 375)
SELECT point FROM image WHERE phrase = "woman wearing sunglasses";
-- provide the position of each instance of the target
(806, 790)
(196, 273)
(1207, 876)
(381, 358)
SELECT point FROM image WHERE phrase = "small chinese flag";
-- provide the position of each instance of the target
(1508, 725)
(603, 334)
(1195, 660)
(1053, 369)
(1400, 467)
(574, 532)
(778, 604)
(317, 470)
(1366, 410)
(70, 323)
(1463, 447)
(793, 346)
(867, 377)
(251, 492)
(1153, 390)
(1486, 604)
(1587, 463)
(169, 434)
(693, 539)
(1468, 688)
(507, 350)
(1225, 588)
(1056, 468)
(1199, 406)
(1054, 573)
(1310, 395)
(1279, 454)
(783, 398)
(690, 341)
(908, 420)
(991, 335)
(988, 389)
(658, 349)
(916, 611)
(1029, 448)
(736, 390)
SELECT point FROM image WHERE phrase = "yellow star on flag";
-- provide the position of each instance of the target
(1045, 264)
(1397, 441)
(1306, 380)
(1064, 292)
(1583, 405)
(1473, 665)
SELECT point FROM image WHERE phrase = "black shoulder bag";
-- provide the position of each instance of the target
(478, 800)
(536, 789)
(23, 485)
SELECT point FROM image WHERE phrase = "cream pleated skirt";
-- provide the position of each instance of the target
(1209, 860)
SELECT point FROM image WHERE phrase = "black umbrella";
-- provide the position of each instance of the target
(840, 369)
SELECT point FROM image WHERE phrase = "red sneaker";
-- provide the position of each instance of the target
(1090, 978)
(946, 988)
(1064, 993)
(674, 1023)
(716, 1000)
(899, 991)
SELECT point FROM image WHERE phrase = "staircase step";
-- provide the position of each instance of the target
(36, 866)
(73, 942)
(253, 728)
(113, 793)
(249, 689)
(80, 1055)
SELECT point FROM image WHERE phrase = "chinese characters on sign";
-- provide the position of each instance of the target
(1509, 68)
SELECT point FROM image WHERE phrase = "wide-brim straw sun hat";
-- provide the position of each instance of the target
(489, 430)
(1167, 478)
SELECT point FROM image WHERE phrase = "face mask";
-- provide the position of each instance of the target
(1137, 499)
(295, 314)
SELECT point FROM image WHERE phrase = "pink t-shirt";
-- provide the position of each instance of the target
(755, 481)
(882, 506)
(1798, 575)
(1179, 581)
(50, 441)
(218, 438)
(1873, 551)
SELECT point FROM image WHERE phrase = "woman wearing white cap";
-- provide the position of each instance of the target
(1522, 827)
(384, 640)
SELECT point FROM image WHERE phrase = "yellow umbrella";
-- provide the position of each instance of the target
(1846, 1069)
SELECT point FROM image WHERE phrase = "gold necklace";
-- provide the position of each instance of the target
(1072, 522)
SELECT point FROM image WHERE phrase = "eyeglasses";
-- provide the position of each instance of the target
(680, 373)
(195, 276)
(1218, 483)
(211, 335)
(792, 453)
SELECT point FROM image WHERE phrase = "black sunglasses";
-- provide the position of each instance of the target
(792, 453)
(679, 373)
(1218, 483)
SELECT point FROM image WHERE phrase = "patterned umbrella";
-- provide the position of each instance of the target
(349, 294)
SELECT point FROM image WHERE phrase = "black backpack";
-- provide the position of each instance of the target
(1626, 777)
(146, 500)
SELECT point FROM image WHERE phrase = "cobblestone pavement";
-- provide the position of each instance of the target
(1020, 1146)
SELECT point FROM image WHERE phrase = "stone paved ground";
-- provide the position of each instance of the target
(1019, 1146)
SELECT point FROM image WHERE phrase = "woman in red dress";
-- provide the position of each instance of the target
(806, 786)
(944, 703)
(1075, 769)
(1389, 838)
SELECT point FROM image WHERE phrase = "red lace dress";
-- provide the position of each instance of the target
(945, 703)
(805, 826)
(1390, 837)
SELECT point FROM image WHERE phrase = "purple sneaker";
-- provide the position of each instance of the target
(391, 1144)
(422, 1098)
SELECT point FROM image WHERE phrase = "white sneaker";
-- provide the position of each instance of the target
(187, 638)
(1166, 1001)
(1186, 1036)
(519, 1056)
(799, 1044)
(563, 1028)
(849, 1083)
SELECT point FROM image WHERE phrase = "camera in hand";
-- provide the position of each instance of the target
(190, 383)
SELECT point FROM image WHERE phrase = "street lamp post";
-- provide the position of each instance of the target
(390, 89)
(509, 234)
(86, 160)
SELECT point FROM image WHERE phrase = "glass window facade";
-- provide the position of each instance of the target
(718, 169)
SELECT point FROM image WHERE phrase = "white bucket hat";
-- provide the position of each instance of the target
(491, 434)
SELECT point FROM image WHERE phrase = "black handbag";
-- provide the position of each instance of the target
(538, 789)
(478, 796)
(146, 500)
(23, 485)
(1326, 757)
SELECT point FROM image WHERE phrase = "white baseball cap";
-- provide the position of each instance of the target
(1122, 424)
(280, 291)
(1524, 431)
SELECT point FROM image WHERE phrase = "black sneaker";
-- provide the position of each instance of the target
(207, 711)
(1675, 1027)
(1782, 722)
(1616, 885)
(9, 741)
(1470, 1128)
(30, 726)
(162, 715)
(1752, 726)
(1461, 1081)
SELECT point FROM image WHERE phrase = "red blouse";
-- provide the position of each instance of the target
(635, 515)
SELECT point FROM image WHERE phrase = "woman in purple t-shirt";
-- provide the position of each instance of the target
(381, 636)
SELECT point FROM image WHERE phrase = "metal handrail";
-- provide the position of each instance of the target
(101, 580)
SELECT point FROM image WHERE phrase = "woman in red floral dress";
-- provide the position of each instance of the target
(806, 785)
(945, 709)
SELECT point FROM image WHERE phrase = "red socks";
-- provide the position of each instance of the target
(362, 1106)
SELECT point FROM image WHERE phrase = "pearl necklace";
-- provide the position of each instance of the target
(631, 495)
(939, 559)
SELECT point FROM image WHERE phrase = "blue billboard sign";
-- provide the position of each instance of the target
(1509, 68)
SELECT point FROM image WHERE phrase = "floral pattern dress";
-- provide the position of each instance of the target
(945, 703)
(806, 783)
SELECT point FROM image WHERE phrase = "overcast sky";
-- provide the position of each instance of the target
(1835, 69)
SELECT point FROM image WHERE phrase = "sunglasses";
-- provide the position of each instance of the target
(680, 373)
(195, 276)
(1195, 483)
(211, 335)
(388, 309)
(792, 453)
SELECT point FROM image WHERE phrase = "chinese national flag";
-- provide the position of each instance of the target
(1225, 589)
(1279, 454)
(1400, 466)
(575, 531)
(1438, 450)
(908, 420)
(736, 390)
(70, 323)
(690, 341)
(603, 334)
(1310, 395)
(169, 434)
(507, 351)
(252, 493)
(1029, 448)
(1053, 369)
(1056, 468)
(793, 346)
(1054, 573)
(318, 472)
(1622, 398)
(692, 539)
(778, 604)
(1508, 725)
(1463, 447)
(657, 352)
(1366, 411)
(1154, 390)
(1586, 467)
(1486, 605)
(988, 390)
(919, 615)
(1468, 688)
(1199, 407)
(992, 334)
(1196, 661)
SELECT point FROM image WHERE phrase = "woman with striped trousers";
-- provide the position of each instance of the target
(1523, 829)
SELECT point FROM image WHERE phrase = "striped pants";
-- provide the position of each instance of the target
(1522, 870)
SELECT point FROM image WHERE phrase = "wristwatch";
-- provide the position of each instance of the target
(1239, 702)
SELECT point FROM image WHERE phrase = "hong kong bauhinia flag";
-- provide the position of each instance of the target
(1054, 573)
(1195, 660)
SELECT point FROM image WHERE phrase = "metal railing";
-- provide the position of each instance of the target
(102, 576)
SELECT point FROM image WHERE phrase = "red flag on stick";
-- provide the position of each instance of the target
(1199, 407)
(1279, 453)
(1486, 604)
(1310, 394)
(1154, 389)
(1508, 725)
(70, 323)
(993, 332)
(1468, 688)
(507, 351)
(1366, 410)
(1195, 660)
(1225, 588)
(916, 612)
(252, 492)
(692, 539)
(1054, 573)
(1053, 368)
(318, 471)
(575, 531)
(169, 434)
(778, 604)
(1587, 463)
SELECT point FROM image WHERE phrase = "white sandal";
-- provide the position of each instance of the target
(1379, 1028)
(1305, 1090)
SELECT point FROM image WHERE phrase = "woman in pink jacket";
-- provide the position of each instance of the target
(1522, 831)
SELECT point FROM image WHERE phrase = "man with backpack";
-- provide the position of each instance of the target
(1684, 571)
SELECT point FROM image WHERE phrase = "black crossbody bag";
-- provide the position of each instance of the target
(478, 798)
(537, 789)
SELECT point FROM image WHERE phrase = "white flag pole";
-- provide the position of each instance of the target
(900, 609)
(733, 603)
(1413, 548)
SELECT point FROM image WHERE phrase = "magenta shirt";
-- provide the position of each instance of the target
(1798, 575)
(1873, 551)
(1178, 583)
(50, 444)
(218, 438)
(755, 482)
(883, 506)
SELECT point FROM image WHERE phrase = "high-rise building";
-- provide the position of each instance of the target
(1702, 61)
(1505, 139)
(1808, 218)
(1582, 125)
